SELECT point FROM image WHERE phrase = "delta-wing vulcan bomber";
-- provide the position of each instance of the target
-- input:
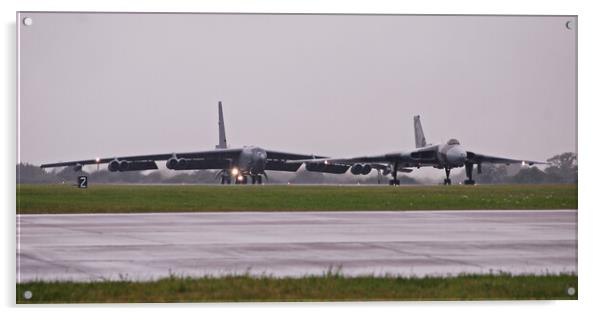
(444, 156)
(237, 163)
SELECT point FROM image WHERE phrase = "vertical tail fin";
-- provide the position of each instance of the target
(418, 133)
(222, 129)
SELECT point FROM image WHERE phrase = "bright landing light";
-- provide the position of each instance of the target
(523, 163)
(239, 178)
(97, 160)
(234, 171)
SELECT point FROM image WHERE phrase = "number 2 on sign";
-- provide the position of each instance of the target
(82, 182)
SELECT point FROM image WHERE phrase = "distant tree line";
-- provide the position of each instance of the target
(562, 169)
(28, 173)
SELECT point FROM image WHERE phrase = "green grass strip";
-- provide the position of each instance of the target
(328, 287)
(35, 199)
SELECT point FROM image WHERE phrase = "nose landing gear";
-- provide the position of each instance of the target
(447, 180)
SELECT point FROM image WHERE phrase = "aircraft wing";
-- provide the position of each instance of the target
(377, 159)
(283, 161)
(480, 158)
(211, 159)
(280, 155)
(217, 154)
(417, 158)
(341, 165)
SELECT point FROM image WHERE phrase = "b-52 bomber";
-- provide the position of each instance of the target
(233, 163)
(444, 156)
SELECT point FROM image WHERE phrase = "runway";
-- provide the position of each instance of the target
(91, 247)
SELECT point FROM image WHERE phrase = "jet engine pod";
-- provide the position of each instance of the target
(77, 167)
(114, 165)
(181, 163)
(171, 163)
(357, 169)
(366, 169)
(124, 165)
(324, 167)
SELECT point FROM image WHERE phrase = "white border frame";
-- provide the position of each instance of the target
(589, 128)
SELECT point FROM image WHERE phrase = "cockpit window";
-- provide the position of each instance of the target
(453, 141)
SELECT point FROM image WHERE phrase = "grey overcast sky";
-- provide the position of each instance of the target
(106, 85)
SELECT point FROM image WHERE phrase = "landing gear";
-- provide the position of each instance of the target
(469, 181)
(226, 179)
(224, 176)
(447, 180)
(394, 174)
(256, 179)
(242, 180)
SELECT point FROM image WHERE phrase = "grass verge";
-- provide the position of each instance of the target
(36, 199)
(329, 287)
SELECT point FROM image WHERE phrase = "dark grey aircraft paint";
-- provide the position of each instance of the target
(445, 156)
(237, 163)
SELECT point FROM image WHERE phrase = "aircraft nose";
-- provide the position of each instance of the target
(456, 156)
(260, 157)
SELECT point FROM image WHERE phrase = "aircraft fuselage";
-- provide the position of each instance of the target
(252, 161)
(451, 156)
(447, 155)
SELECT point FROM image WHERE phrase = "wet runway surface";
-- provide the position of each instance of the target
(149, 246)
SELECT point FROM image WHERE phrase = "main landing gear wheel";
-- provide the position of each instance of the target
(256, 179)
(226, 180)
(395, 181)
(469, 181)
(446, 181)
(244, 180)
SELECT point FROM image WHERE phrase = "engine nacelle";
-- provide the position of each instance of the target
(77, 167)
(182, 163)
(114, 165)
(366, 169)
(326, 167)
(124, 165)
(357, 169)
(171, 163)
